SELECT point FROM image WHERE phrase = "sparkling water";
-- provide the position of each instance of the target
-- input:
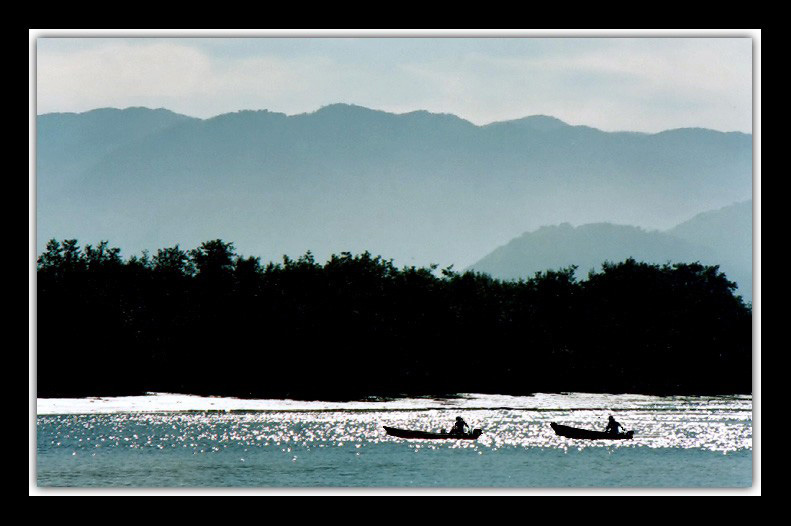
(184, 441)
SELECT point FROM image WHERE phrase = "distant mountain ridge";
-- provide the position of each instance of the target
(719, 237)
(418, 187)
(728, 233)
(68, 144)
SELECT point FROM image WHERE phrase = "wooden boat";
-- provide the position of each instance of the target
(426, 435)
(588, 434)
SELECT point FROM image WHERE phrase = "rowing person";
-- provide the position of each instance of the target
(460, 427)
(613, 426)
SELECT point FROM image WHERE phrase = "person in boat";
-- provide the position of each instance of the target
(460, 427)
(613, 427)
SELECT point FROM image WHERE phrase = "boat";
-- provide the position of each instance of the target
(588, 434)
(426, 435)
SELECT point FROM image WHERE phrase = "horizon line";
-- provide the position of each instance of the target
(353, 105)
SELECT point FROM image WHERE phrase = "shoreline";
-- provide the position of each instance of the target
(185, 403)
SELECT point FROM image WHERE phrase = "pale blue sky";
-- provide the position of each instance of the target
(640, 84)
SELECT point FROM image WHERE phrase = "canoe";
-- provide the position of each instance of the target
(425, 435)
(573, 432)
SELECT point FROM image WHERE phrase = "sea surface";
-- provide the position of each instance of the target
(164, 440)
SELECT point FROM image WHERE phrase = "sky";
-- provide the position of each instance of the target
(637, 84)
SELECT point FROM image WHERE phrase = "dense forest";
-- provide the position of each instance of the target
(209, 321)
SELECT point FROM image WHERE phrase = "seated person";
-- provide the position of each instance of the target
(613, 427)
(460, 427)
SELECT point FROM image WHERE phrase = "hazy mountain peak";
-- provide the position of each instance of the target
(131, 110)
(243, 115)
(343, 108)
(718, 237)
(426, 115)
(535, 122)
(697, 132)
(725, 228)
(587, 246)
(340, 110)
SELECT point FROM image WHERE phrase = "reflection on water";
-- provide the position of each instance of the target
(692, 441)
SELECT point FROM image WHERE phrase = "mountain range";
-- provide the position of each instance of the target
(720, 237)
(418, 187)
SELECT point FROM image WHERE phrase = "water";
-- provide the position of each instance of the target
(210, 442)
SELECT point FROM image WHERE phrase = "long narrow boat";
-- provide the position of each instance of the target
(425, 435)
(588, 434)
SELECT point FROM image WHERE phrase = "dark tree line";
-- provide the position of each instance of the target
(209, 321)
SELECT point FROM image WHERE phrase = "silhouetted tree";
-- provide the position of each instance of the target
(210, 321)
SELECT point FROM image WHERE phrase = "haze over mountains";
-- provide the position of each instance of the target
(418, 187)
(721, 237)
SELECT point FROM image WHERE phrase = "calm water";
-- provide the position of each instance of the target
(679, 442)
